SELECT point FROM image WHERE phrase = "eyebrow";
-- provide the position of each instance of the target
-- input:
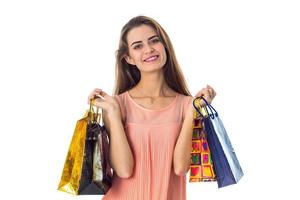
(141, 41)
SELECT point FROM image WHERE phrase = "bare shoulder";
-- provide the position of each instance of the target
(120, 100)
(187, 106)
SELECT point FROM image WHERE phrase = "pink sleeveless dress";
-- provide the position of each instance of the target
(152, 136)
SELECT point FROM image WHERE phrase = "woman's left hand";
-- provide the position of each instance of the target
(208, 93)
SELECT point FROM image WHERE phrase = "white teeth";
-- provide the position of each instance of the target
(151, 58)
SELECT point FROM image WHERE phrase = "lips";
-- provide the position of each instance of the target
(151, 58)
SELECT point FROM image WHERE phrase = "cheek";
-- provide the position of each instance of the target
(162, 49)
(164, 53)
(138, 58)
(135, 56)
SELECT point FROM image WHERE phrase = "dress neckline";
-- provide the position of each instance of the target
(152, 110)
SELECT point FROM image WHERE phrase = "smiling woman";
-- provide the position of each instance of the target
(146, 51)
(149, 118)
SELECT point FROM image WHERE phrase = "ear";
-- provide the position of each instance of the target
(129, 60)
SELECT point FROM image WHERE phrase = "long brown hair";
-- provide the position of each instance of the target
(127, 76)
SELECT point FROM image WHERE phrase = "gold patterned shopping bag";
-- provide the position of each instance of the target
(201, 168)
(86, 169)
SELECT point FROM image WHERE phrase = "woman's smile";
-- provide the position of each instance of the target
(151, 58)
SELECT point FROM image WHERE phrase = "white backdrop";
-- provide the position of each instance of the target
(54, 53)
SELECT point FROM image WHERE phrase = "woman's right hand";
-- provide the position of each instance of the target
(109, 104)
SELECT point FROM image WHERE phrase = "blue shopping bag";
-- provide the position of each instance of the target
(227, 168)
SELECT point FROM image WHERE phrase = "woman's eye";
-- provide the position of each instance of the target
(155, 40)
(138, 46)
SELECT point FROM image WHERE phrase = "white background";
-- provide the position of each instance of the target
(54, 53)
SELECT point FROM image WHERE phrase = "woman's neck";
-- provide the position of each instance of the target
(152, 85)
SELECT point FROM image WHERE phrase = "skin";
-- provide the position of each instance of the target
(151, 92)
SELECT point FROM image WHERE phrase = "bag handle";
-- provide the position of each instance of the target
(198, 109)
(92, 113)
(213, 113)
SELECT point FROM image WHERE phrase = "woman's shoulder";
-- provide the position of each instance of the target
(185, 98)
(186, 103)
(122, 104)
(120, 96)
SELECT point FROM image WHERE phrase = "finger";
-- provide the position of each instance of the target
(200, 93)
(207, 95)
(100, 103)
(103, 95)
(213, 91)
(210, 92)
(209, 87)
(91, 96)
(95, 92)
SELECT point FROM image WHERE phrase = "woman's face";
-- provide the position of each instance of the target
(146, 50)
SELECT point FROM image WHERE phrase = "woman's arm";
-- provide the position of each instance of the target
(183, 148)
(120, 155)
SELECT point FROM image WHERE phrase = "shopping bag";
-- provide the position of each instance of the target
(226, 165)
(86, 169)
(201, 168)
(225, 142)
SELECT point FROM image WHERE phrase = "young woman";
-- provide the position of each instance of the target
(149, 118)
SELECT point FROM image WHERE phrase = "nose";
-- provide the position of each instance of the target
(148, 48)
